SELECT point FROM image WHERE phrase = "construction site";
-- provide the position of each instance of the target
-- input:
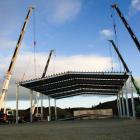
(115, 119)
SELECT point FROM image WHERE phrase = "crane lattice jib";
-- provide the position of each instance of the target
(125, 66)
(47, 64)
(43, 75)
(133, 36)
(13, 60)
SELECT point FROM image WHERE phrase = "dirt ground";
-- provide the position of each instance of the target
(106, 129)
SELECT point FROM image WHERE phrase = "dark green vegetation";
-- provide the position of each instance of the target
(106, 129)
(113, 106)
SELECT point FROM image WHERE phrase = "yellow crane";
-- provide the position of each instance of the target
(13, 60)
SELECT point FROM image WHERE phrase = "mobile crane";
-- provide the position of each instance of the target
(43, 75)
(125, 66)
(133, 36)
(11, 66)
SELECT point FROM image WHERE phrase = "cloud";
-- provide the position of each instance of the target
(106, 33)
(138, 81)
(135, 4)
(62, 11)
(134, 7)
(61, 64)
(7, 44)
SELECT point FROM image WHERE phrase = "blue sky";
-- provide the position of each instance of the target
(77, 29)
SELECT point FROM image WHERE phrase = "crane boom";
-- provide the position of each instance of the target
(125, 66)
(43, 75)
(133, 36)
(13, 60)
(47, 64)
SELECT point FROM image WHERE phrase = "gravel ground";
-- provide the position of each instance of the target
(106, 129)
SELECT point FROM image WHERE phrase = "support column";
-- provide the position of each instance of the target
(37, 102)
(31, 104)
(123, 106)
(126, 100)
(49, 109)
(41, 106)
(120, 106)
(132, 102)
(133, 106)
(132, 98)
(55, 109)
(17, 98)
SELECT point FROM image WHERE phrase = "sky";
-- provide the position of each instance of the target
(78, 30)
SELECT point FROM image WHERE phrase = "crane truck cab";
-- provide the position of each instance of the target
(3, 117)
(11, 117)
(8, 117)
(37, 117)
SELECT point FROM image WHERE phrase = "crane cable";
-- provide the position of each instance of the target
(115, 33)
(37, 95)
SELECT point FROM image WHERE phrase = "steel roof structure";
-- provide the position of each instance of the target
(77, 83)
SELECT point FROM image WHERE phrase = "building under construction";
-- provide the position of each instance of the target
(70, 84)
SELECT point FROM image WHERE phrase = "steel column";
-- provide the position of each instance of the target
(49, 109)
(120, 106)
(41, 106)
(55, 109)
(132, 101)
(133, 106)
(123, 106)
(17, 98)
(31, 105)
(126, 100)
